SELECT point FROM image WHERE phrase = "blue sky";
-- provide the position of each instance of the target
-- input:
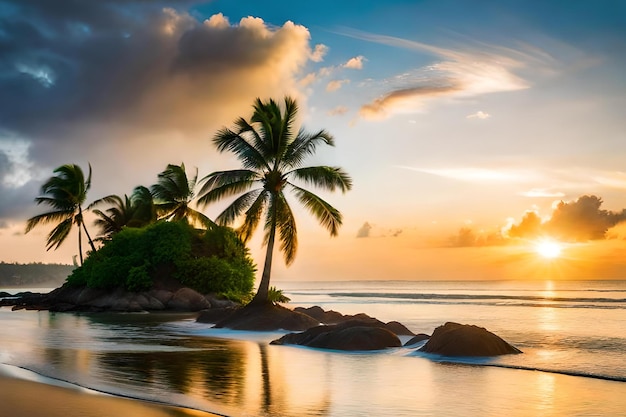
(454, 118)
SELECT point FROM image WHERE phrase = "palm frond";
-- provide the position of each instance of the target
(59, 234)
(237, 207)
(61, 203)
(325, 177)
(304, 145)
(287, 120)
(328, 216)
(109, 199)
(253, 216)
(220, 184)
(247, 153)
(286, 225)
(200, 218)
(49, 217)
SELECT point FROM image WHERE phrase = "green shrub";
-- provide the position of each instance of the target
(214, 261)
(138, 278)
(276, 296)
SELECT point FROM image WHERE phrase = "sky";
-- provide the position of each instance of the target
(473, 131)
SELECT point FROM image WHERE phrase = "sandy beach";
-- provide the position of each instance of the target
(29, 397)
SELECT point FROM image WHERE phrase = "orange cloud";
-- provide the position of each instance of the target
(335, 85)
(464, 72)
(355, 63)
(579, 220)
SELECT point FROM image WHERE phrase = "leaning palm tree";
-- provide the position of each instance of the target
(138, 210)
(173, 194)
(272, 155)
(65, 193)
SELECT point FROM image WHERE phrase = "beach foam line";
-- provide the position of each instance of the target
(56, 397)
(475, 363)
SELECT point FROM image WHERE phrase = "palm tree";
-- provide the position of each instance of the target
(65, 193)
(138, 210)
(174, 192)
(272, 154)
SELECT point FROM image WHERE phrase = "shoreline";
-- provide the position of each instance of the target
(58, 398)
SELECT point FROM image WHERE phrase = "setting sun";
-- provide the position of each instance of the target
(548, 249)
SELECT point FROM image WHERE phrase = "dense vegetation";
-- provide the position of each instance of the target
(150, 234)
(208, 261)
(33, 274)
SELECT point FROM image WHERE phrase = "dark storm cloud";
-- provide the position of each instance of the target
(112, 82)
(72, 63)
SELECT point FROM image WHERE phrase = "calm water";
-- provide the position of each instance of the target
(564, 329)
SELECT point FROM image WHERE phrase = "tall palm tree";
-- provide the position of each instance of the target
(173, 194)
(65, 192)
(138, 210)
(272, 154)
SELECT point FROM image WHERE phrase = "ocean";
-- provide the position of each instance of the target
(572, 334)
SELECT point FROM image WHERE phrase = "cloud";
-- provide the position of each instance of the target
(467, 71)
(355, 63)
(338, 111)
(479, 115)
(319, 52)
(475, 174)
(364, 231)
(132, 82)
(163, 71)
(335, 85)
(308, 79)
(529, 226)
(468, 237)
(401, 101)
(579, 220)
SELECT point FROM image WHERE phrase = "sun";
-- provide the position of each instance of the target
(548, 249)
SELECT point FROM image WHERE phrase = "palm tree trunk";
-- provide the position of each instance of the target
(82, 223)
(262, 294)
(80, 246)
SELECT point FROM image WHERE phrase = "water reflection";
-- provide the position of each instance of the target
(165, 358)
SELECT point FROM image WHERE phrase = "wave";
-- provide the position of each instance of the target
(490, 299)
(448, 361)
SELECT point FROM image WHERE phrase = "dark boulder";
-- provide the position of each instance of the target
(350, 335)
(267, 317)
(333, 317)
(186, 299)
(417, 339)
(215, 315)
(453, 339)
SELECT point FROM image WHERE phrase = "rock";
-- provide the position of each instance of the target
(219, 302)
(186, 299)
(164, 296)
(350, 335)
(398, 328)
(417, 339)
(333, 317)
(326, 317)
(4, 294)
(267, 317)
(215, 315)
(453, 339)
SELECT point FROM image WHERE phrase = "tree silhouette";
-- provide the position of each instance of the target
(272, 155)
(65, 192)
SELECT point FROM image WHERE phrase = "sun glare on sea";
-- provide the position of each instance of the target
(548, 249)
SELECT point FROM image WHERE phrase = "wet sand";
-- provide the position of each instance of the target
(27, 398)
